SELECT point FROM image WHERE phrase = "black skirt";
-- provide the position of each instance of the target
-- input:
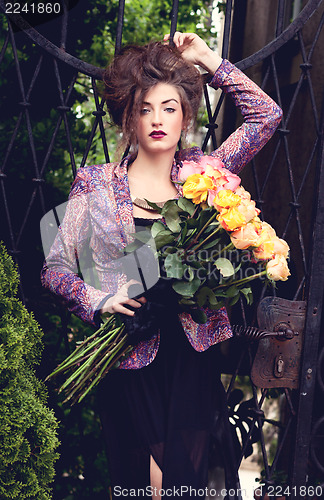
(167, 409)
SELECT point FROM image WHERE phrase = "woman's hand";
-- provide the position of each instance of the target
(195, 50)
(115, 303)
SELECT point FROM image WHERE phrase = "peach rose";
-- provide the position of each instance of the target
(267, 232)
(277, 268)
(265, 251)
(196, 187)
(281, 247)
(248, 209)
(268, 249)
(246, 236)
(243, 193)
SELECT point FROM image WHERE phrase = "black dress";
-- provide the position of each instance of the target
(167, 409)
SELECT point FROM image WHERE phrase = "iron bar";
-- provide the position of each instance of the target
(312, 327)
(96, 72)
(64, 26)
(119, 32)
(174, 18)
(100, 113)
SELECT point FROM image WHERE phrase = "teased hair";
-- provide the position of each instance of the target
(135, 70)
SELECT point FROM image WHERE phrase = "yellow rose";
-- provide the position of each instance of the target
(277, 268)
(196, 187)
(246, 236)
(225, 198)
(231, 219)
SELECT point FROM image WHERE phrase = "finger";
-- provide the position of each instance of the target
(119, 308)
(178, 39)
(142, 300)
(133, 303)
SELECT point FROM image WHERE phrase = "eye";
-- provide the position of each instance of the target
(170, 110)
(144, 111)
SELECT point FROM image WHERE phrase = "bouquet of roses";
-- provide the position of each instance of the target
(210, 245)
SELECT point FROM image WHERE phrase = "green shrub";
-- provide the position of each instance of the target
(28, 438)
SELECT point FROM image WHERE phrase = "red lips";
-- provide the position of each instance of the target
(157, 134)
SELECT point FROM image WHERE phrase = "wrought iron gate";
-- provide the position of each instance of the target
(287, 180)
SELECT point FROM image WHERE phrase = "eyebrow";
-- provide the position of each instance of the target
(163, 102)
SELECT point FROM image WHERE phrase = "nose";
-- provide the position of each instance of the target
(156, 118)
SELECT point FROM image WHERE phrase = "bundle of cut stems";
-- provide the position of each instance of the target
(92, 359)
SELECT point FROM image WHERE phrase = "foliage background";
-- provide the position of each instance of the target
(27, 426)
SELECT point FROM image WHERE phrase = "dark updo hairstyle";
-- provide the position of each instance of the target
(135, 70)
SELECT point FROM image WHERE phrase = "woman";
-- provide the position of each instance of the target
(167, 395)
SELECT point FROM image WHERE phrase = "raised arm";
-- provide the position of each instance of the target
(261, 114)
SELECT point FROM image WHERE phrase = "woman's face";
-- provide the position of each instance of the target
(161, 120)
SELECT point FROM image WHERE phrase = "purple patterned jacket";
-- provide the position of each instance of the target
(105, 219)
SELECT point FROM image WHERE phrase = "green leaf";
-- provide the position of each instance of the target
(189, 272)
(232, 291)
(204, 216)
(132, 247)
(198, 315)
(153, 205)
(184, 231)
(187, 302)
(210, 244)
(234, 300)
(157, 228)
(205, 295)
(247, 292)
(186, 288)
(174, 266)
(164, 239)
(192, 223)
(143, 236)
(186, 205)
(225, 267)
(172, 218)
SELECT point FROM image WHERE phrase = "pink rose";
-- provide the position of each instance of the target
(233, 180)
(210, 161)
(189, 168)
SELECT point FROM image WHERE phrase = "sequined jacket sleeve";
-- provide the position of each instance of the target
(67, 259)
(260, 113)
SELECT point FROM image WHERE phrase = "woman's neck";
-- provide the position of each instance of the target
(149, 166)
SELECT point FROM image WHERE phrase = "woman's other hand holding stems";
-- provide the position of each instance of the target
(115, 304)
